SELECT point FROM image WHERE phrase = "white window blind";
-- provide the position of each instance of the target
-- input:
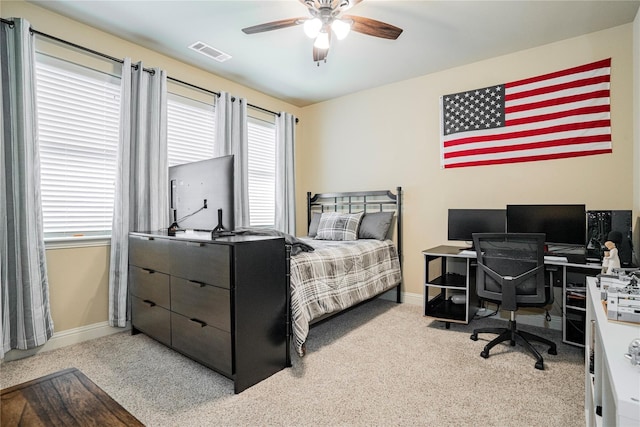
(78, 118)
(191, 137)
(262, 173)
(191, 130)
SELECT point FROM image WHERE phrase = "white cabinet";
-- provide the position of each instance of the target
(612, 384)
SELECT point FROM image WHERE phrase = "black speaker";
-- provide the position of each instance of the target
(600, 224)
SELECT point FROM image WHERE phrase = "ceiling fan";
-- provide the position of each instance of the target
(326, 17)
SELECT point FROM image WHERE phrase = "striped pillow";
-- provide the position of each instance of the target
(339, 226)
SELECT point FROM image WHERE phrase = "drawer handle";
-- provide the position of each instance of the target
(200, 284)
(149, 303)
(199, 322)
(196, 244)
(148, 270)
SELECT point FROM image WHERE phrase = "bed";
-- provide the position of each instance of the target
(357, 256)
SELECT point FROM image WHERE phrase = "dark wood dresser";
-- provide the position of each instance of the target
(220, 302)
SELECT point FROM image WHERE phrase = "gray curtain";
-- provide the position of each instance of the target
(231, 138)
(285, 193)
(141, 197)
(24, 298)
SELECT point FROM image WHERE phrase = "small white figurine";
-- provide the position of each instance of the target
(611, 259)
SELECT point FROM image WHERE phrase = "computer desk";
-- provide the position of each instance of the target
(456, 276)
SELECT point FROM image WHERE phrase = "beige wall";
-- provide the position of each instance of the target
(78, 277)
(389, 136)
(379, 139)
(79, 286)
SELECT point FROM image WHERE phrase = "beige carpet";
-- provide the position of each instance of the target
(381, 364)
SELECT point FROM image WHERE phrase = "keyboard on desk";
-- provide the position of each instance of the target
(570, 258)
(555, 258)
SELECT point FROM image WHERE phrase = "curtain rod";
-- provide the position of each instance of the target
(149, 70)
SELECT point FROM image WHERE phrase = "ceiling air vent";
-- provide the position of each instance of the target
(211, 52)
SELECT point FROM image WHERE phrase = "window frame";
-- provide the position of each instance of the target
(111, 81)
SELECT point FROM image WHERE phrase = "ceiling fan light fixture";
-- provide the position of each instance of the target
(322, 41)
(312, 27)
(341, 28)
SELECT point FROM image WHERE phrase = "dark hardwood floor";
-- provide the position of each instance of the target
(64, 398)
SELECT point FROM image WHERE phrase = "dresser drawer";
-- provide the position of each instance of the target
(202, 262)
(206, 344)
(149, 252)
(151, 319)
(207, 303)
(149, 285)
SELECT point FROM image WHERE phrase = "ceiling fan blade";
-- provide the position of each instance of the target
(371, 27)
(275, 25)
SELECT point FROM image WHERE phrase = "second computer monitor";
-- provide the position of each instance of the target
(562, 224)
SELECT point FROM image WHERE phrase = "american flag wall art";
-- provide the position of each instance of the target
(556, 115)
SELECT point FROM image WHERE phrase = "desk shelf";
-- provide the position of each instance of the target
(454, 275)
(574, 293)
(450, 281)
(443, 309)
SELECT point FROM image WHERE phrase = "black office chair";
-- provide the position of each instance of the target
(511, 273)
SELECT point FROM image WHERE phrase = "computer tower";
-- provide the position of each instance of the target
(600, 224)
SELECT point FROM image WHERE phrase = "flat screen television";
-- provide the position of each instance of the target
(462, 223)
(562, 224)
(199, 191)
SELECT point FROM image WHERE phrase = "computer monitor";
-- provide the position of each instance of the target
(562, 224)
(462, 223)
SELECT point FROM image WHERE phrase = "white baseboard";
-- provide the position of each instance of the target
(407, 298)
(102, 329)
(67, 337)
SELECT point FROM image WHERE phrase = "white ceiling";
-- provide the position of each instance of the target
(437, 35)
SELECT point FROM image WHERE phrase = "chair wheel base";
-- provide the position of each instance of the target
(540, 365)
(553, 351)
(484, 354)
(474, 337)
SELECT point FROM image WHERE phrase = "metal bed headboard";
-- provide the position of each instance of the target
(358, 201)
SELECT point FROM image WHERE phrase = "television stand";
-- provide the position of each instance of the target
(219, 231)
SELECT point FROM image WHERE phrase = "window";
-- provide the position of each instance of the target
(262, 173)
(191, 137)
(78, 127)
(78, 119)
(191, 130)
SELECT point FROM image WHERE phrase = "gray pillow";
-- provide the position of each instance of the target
(339, 226)
(313, 226)
(375, 225)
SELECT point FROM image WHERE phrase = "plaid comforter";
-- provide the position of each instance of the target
(336, 276)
